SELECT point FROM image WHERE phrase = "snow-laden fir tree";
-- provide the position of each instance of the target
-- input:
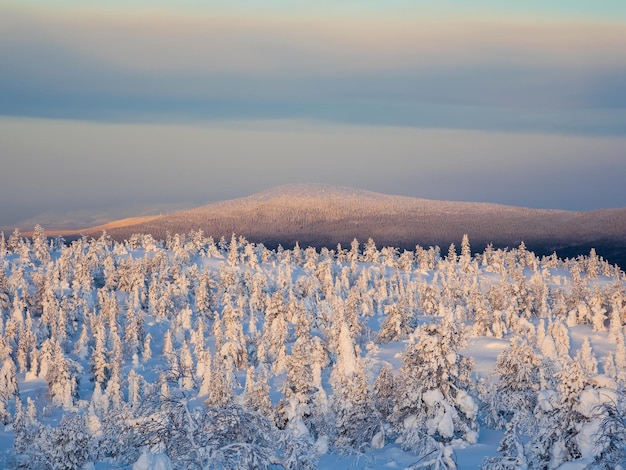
(8, 388)
(513, 386)
(433, 387)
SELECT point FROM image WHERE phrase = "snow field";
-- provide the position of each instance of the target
(189, 353)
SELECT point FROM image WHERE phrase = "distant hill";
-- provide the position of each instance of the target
(322, 215)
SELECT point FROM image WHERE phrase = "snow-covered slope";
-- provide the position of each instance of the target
(322, 215)
(192, 354)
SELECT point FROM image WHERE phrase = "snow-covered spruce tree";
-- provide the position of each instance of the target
(487, 321)
(587, 359)
(134, 331)
(352, 310)
(432, 388)
(220, 387)
(275, 332)
(64, 447)
(452, 257)
(40, 246)
(513, 386)
(320, 419)
(256, 395)
(559, 333)
(466, 254)
(384, 391)
(114, 386)
(354, 254)
(509, 397)
(398, 323)
(3, 246)
(19, 245)
(181, 368)
(8, 387)
(237, 438)
(358, 425)
(569, 419)
(428, 259)
(27, 430)
(357, 421)
(61, 377)
(429, 297)
(406, 261)
(234, 346)
(370, 252)
(615, 323)
(611, 435)
(135, 386)
(203, 294)
(225, 437)
(513, 453)
(598, 306)
(27, 345)
(298, 387)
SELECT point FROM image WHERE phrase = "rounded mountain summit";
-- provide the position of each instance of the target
(324, 215)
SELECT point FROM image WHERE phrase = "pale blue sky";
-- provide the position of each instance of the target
(498, 77)
(609, 9)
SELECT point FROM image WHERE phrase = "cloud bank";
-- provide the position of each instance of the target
(537, 75)
(66, 165)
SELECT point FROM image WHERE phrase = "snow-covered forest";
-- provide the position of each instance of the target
(200, 353)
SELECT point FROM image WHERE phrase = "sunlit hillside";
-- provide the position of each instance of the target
(320, 215)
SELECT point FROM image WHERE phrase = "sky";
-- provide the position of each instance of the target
(109, 106)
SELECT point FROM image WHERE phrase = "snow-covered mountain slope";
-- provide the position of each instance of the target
(191, 354)
(322, 215)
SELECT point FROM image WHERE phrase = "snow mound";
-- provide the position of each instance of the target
(149, 461)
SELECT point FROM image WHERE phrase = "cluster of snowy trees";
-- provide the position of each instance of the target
(229, 355)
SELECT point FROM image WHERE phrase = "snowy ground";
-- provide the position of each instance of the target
(141, 353)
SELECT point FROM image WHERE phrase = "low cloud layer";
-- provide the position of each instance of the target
(66, 165)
